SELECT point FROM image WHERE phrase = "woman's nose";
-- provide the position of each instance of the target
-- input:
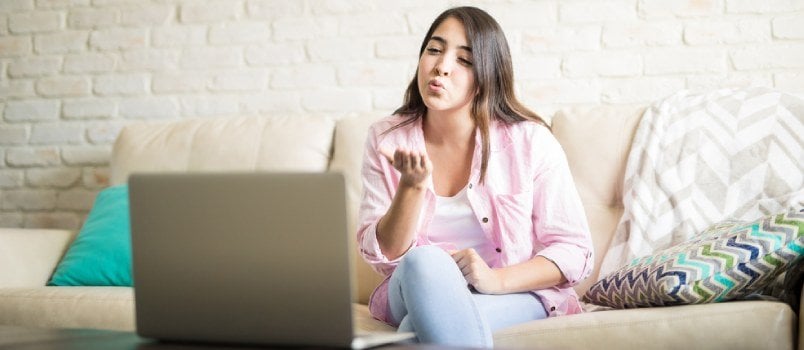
(442, 67)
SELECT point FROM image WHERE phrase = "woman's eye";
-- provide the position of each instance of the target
(465, 61)
(433, 50)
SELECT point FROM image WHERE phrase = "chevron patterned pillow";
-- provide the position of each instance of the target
(727, 261)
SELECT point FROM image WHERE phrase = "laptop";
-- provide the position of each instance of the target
(244, 258)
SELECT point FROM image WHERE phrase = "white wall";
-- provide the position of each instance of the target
(73, 72)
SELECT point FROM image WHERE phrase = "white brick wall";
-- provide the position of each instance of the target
(31, 110)
(210, 11)
(63, 86)
(789, 27)
(62, 42)
(52, 177)
(32, 67)
(89, 63)
(74, 72)
(34, 22)
(13, 134)
(25, 157)
(148, 108)
(88, 108)
(89, 18)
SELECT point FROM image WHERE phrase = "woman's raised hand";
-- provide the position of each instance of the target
(414, 166)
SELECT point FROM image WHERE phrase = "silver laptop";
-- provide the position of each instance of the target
(256, 258)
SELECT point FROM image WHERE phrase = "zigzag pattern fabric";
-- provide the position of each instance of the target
(698, 159)
(726, 262)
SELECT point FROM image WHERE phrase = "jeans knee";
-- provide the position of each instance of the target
(425, 260)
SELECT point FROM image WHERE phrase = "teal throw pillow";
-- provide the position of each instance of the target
(727, 261)
(101, 253)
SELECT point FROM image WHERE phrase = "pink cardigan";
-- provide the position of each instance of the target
(527, 206)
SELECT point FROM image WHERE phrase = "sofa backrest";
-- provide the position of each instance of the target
(596, 141)
(347, 158)
(223, 144)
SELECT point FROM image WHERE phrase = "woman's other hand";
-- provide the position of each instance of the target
(477, 273)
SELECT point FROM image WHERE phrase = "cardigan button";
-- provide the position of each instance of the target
(552, 308)
(498, 250)
(470, 186)
(485, 220)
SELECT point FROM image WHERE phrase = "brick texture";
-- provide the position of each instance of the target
(74, 72)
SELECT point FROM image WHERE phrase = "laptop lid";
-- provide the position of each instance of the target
(258, 258)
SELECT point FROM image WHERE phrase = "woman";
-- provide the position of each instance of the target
(469, 207)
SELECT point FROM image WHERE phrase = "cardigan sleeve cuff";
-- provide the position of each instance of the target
(371, 251)
(575, 267)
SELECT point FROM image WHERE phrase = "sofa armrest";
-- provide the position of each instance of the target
(29, 256)
(801, 319)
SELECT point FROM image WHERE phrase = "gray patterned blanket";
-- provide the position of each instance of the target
(698, 159)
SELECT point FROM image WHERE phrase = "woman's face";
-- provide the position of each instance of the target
(445, 77)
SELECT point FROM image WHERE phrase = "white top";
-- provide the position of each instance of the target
(455, 226)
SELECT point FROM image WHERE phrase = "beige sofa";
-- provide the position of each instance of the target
(596, 142)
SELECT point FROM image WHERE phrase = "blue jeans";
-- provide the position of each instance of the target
(428, 295)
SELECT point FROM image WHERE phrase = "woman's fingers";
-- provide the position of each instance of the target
(406, 160)
(399, 159)
(414, 166)
(413, 160)
(425, 163)
(388, 155)
(464, 258)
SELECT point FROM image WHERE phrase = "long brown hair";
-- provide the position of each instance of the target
(494, 76)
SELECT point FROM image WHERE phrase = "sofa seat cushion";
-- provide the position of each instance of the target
(68, 307)
(364, 322)
(731, 325)
(28, 256)
(744, 324)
